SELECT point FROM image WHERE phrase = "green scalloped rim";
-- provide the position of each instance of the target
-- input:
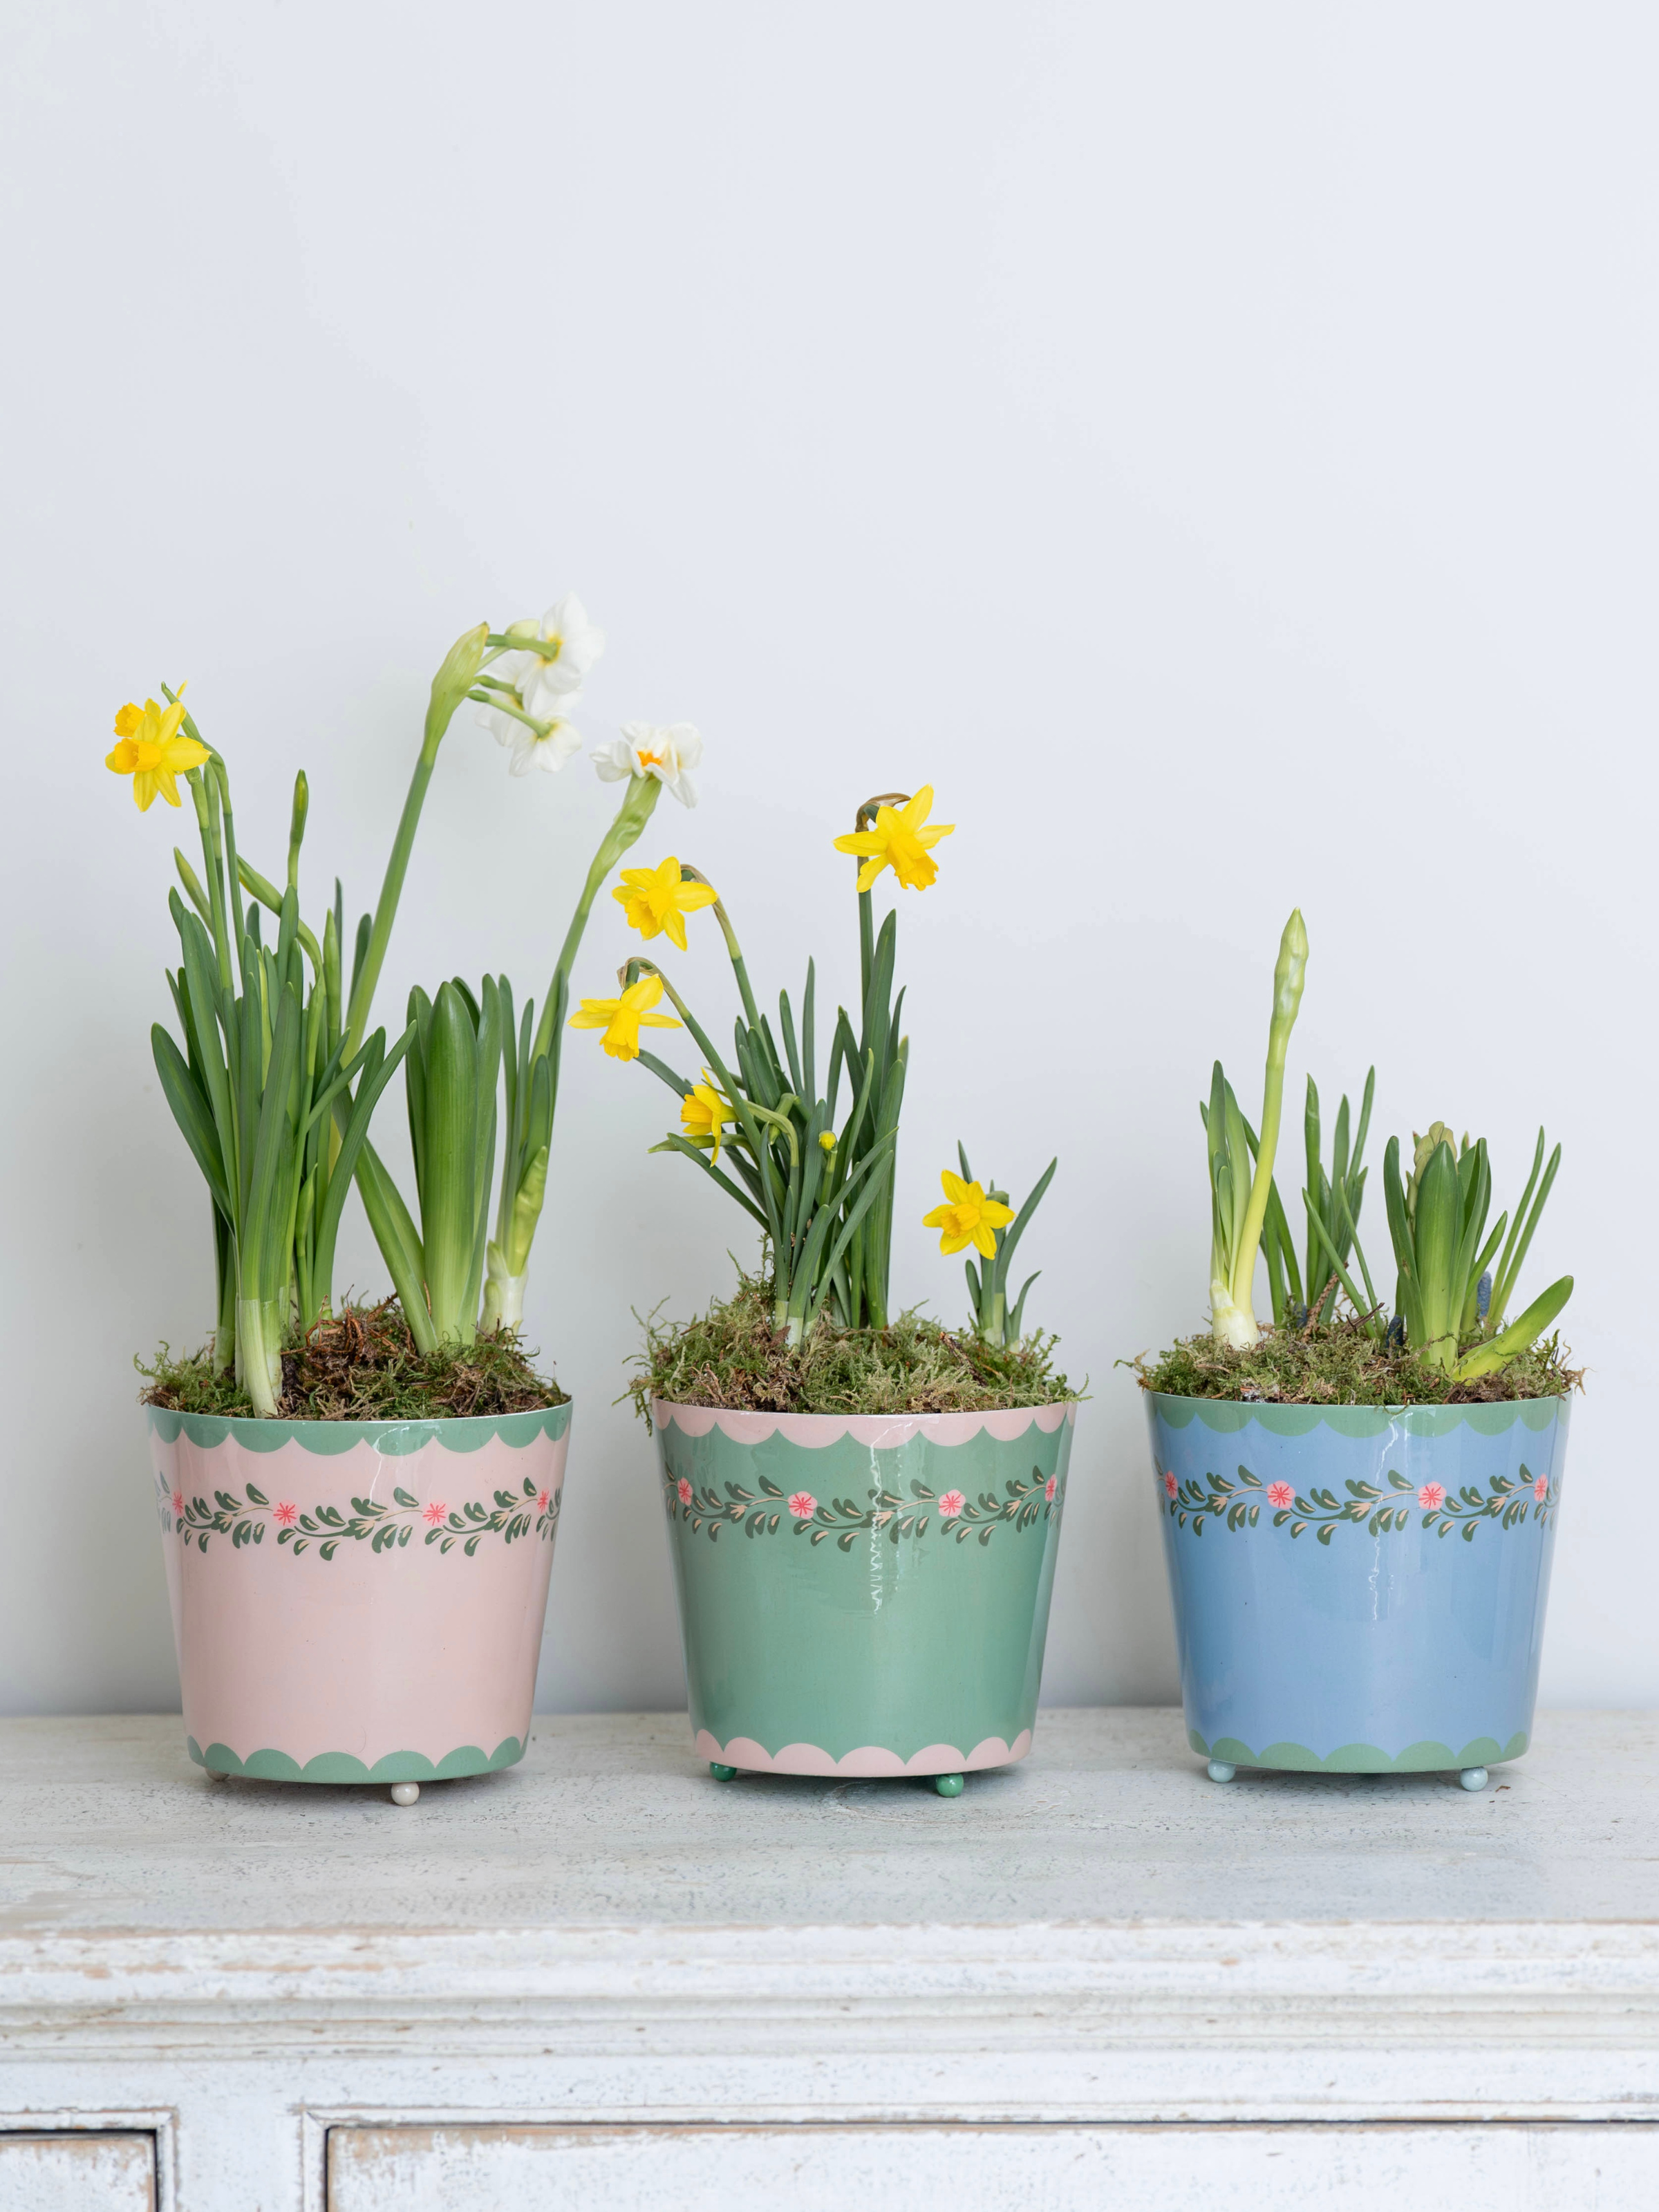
(1227, 1416)
(395, 1439)
(1362, 1758)
(342, 1766)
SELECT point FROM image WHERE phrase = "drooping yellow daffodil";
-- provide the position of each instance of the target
(969, 1219)
(622, 1019)
(660, 898)
(702, 1112)
(901, 841)
(151, 750)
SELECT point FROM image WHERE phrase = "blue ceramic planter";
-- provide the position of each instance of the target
(1359, 1590)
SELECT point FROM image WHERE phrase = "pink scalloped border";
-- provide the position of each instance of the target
(869, 1759)
(882, 1432)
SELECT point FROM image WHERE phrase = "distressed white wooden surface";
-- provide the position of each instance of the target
(76, 2173)
(834, 2169)
(1099, 1936)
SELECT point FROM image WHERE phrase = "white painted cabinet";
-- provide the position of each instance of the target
(1612, 2167)
(601, 1979)
(77, 2172)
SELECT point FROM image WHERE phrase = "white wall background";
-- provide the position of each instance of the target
(1216, 446)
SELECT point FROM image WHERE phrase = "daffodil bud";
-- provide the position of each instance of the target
(827, 1139)
(296, 821)
(454, 680)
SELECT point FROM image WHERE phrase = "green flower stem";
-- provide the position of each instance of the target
(449, 687)
(202, 794)
(638, 804)
(261, 889)
(739, 966)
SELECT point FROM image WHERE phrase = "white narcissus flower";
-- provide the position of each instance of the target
(544, 684)
(645, 749)
(548, 747)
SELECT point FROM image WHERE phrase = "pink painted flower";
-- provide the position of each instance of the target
(1431, 1497)
(1279, 1495)
(950, 1504)
(682, 1491)
(803, 1505)
(541, 1501)
(1541, 1489)
(1170, 1486)
(178, 1505)
(1050, 1488)
(434, 1511)
(284, 1515)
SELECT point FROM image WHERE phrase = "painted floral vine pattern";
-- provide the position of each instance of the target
(1511, 1499)
(382, 1528)
(767, 1509)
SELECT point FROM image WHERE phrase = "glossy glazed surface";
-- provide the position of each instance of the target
(358, 1602)
(863, 1597)
(1359, 1589)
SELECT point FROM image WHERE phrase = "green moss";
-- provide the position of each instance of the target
(362, 1364)
(732, 1357)
(1340, 1365)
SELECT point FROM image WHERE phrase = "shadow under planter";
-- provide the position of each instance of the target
(863, 1595)
(1358, 1589)
(358, 1601)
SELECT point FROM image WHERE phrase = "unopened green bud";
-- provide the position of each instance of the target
(1292, 969)
(296, 821)
(455, 679)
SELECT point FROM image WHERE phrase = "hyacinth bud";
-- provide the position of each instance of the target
(1291, 971)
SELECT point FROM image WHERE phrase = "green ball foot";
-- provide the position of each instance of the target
(1474, 1777)
(722, 1773)
(1220, 1772)
(948, 1785)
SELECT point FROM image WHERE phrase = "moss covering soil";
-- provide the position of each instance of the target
(362, 1364)
(733, 1358)
(1339, 1363)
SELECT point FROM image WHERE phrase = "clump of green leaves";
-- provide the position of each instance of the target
(364, 1365)
(1343, 1363)
(736, 1356)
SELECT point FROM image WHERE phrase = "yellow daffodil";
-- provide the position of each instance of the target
(969, 1219)
(901, 841)
(622, 1019)
(656, 899)
(827, 1139)
(702, 1112)
(151, 750)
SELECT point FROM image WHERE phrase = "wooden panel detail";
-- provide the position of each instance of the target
(1605, 2167)
(77, 2172)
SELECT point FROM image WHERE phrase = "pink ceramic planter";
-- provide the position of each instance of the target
(358, 1602)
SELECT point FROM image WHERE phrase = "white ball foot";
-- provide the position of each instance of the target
(1220, 1772)
(1474, 1777)
(218, 1774)
(404, 1793)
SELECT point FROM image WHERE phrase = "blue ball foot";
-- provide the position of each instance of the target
(722, 1773)
(1474, 1777)
(1220, 1772)
(948, 1785)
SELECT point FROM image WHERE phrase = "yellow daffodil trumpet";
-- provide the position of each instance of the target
(968, 1216)
(622, 1019)
(894, 832)
(152, 751)
(657, 900)
(984, 1218)
(704, 1113)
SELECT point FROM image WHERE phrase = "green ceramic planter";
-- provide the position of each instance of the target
(863, 1595)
